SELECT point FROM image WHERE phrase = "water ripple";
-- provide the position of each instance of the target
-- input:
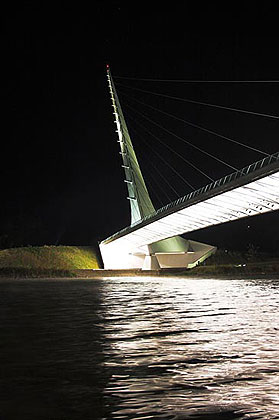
(139, 348)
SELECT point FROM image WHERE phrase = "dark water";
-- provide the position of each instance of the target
(139, 349)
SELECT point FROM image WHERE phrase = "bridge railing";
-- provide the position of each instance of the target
(222, 181)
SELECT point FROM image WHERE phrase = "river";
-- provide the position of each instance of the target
(139, 348)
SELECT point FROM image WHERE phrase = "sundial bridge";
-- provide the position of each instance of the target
(152, 240)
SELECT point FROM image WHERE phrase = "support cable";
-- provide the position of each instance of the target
(136, 163)
(161, 157)
(154, 191)
(195, 81)
(185, 141)
(196, 126)
(157, 183)
(133, 159)
(156, 195)
(201, 103)
(160, 188)
(176, 153)
(166, 181)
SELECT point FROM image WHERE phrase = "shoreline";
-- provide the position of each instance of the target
(81, 262)
(225, 272)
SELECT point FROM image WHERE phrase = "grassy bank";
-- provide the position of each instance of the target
(74, 261)
(225, 262)
(57, 261)
(246, 269)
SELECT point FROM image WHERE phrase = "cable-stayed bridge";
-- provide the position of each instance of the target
(152, 240)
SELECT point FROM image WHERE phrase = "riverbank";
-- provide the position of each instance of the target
(46, 261)
(82, 262)
(215, 271)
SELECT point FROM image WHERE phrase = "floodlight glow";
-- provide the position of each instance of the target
(152, 241)
(256, 197)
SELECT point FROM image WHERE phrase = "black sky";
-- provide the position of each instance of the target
(61, 175)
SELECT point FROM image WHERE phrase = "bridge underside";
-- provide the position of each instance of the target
(173, 252)
(152, 240)
(153, 243)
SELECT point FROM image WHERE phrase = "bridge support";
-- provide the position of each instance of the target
(174, 252)
(136, 251)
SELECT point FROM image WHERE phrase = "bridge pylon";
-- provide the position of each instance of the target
(170, 252)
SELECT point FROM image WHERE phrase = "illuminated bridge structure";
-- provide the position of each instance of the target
(152, 240)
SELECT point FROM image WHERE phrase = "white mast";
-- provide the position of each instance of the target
(140, 202)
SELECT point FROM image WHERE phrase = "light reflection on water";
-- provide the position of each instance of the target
(141, 348)
(185, 347)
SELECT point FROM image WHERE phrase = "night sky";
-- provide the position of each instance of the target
(61, 175)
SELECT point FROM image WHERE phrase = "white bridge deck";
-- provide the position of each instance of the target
(250, 191)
